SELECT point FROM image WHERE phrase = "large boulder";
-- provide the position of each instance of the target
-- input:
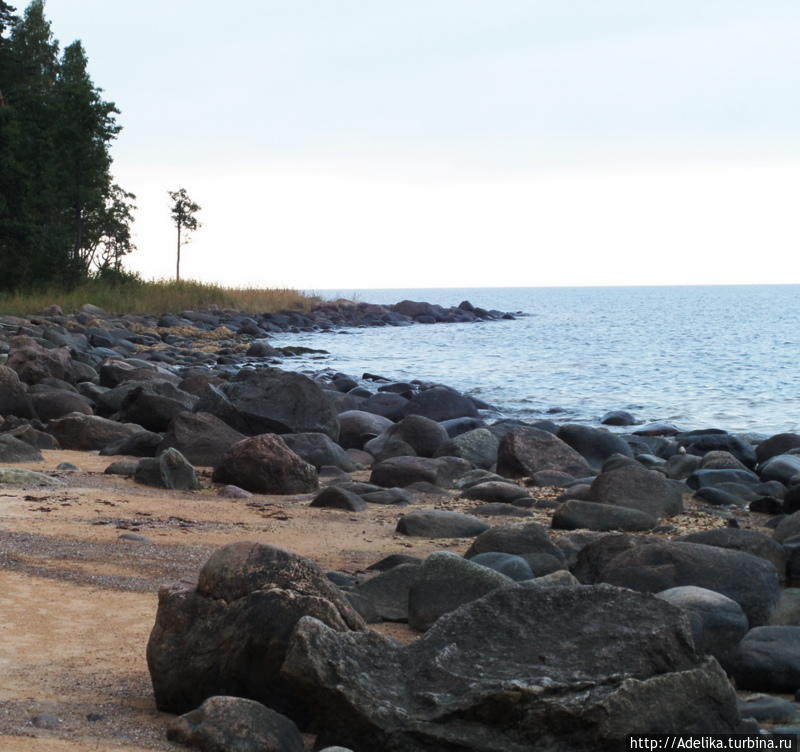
(780, 443)
(235, 724)
(768, 660)
(525, 451)
(169, 470)
(202, 438)
(14, 399)
(440, 403)
(781, 467)
(385, 404)
(422, 434)
(88, 432)
(701, 443)
(595, 445)
(528, 538)
(635, 487)
(357, 427)
(229, 634)
(750, 541)
(478, 446)
(440, 523)
(403, 471)
(593, 555)
(523, 668)
(318, 449)
(387, 592)
(718, 622)
(588, 515)
(749, 580)
(264, 464)
(444, 582)
(498, 491)
(269, 400)
(32, 362)
(56, 403)
(154, 404)
(14, 450)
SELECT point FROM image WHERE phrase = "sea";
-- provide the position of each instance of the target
(696, 357)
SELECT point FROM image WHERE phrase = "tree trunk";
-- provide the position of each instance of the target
(178, 266)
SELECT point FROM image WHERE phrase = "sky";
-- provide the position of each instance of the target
(456, 143)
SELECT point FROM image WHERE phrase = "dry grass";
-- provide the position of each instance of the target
(156, 297)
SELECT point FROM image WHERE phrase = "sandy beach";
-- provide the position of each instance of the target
(78, 602)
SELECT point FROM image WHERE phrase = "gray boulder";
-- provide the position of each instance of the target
(781, 467)
(229, 634)
(527, 538)
(339, 498)
(318, 449)
(439, 523)
(19, 477)
(446, 581)
(768, 660)
(595, 445)
(88, 432)
(14, 399)
(588, 515)
(718, 622)
(269, 400)
(154, 404)
(750, 541)
(440, 403)
(388, 591)
(14, 450)
(422, 434)
(237, 725)
(169, 470)
(523, 668)
(56, 403)
(201, 437)
(357, 427)
(478, 446)
(636, 488)
(386, 404)
(510, 565)
(525, 451)
(780, 443)
(496, 491)
(403, 471)
(749, 580)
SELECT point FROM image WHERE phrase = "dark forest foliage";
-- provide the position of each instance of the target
(62, 217)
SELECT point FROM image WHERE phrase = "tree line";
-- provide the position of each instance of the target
(63, 219)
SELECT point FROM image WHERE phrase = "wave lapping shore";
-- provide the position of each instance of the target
(552, 585)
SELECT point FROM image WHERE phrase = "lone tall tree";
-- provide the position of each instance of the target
(183, 215)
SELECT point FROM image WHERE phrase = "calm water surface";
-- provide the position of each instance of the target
(695, 356)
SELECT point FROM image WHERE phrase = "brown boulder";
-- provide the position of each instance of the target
(264, 464)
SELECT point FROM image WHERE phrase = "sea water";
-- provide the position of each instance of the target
(717, 356)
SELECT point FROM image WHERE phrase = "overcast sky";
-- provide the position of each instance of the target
(368, 143)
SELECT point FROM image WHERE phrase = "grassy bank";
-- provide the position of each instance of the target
(154, 297)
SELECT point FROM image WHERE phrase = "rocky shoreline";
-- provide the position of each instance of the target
(604, 584)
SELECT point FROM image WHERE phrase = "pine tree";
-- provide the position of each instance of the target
(62, 217)
(183, 211)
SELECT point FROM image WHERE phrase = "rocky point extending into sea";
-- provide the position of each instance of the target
(608, 582)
